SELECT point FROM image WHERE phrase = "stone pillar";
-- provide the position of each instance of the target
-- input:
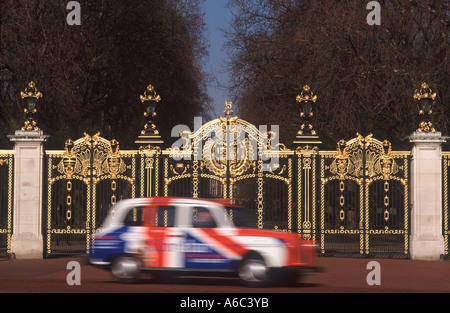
(27, 239)
(426, 241)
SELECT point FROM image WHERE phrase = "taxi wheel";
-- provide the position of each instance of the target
(253, 271)
(126, 269)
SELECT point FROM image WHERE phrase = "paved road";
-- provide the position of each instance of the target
(339, 275)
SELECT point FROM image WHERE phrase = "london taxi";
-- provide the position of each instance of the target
(195, 236)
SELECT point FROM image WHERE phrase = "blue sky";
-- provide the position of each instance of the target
(216, 16)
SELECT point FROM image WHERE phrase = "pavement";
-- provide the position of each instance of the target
(340, 275)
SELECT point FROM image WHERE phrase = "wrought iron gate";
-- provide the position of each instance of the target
(228, 158)
(84, 181)
(364, 199)
(352, 201)
(6, 200)
(446, 203)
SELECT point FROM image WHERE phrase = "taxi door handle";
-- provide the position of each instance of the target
(178, 236)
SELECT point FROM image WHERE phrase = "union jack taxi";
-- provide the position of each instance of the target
(193, 236)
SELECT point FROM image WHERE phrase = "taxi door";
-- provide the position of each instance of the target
(204, 246)
(165, 240)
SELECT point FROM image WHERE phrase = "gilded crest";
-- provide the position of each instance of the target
(341, 164)
(364, 157)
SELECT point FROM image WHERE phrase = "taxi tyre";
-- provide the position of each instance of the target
(126, 269)
(253, 271)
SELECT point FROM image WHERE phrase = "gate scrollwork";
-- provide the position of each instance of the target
(369, 198)
(84, 180)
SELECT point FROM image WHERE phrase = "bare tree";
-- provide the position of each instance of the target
(92, 75)
(364, 75)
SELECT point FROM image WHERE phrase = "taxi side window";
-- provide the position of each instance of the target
(133, 217)
(166, 216)
(202, 218)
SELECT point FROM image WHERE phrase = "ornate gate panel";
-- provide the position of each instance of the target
(84, 181)
(230, 158)
(240, 161)
(352, 201)
(178, 177)
(224, 158)
(278, 192)
(446, 203)
(364, 198)
(149, 169)
(306, 191)
(6, 199)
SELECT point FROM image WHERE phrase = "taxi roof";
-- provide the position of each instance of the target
(167, 200)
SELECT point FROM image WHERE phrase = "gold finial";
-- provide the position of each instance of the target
(149, 135)
(306, 95)
(228, 110)
(31, 91)
(150, 94)
(424, 92)
(425, 98)
(31, 94)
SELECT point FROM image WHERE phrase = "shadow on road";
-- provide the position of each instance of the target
(212, 281)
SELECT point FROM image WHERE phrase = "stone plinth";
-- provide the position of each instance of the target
(27, 241)
(426, 240)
